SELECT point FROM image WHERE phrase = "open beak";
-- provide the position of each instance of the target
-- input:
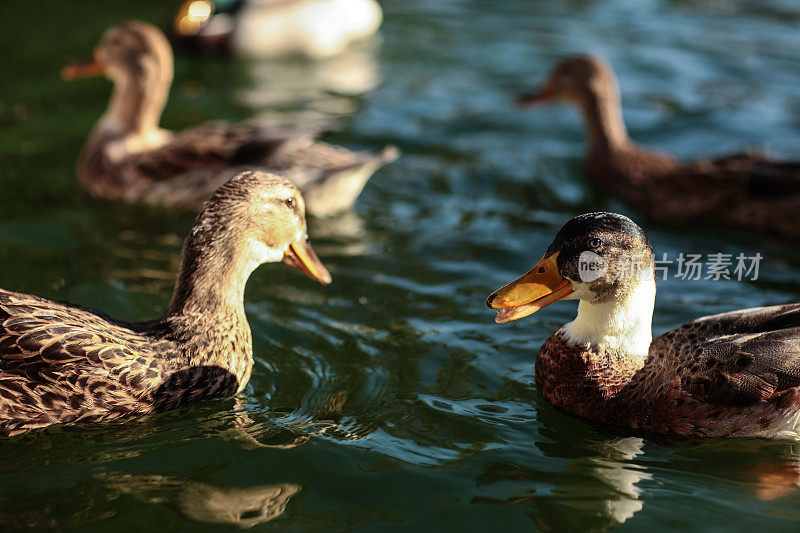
(88, 68)
(300, 255)
(545, 94)
(540, 287)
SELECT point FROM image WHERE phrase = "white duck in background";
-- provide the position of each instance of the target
(315, 28)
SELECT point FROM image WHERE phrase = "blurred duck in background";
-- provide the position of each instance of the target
(315, 28)
(748, 191)
(61, 362)
(129, 157)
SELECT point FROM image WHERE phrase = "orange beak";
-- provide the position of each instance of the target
(540, 287)
(88, 68)
(546, 94)
(301, 256)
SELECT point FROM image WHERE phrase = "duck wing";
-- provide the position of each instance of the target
(741, 358)
(63, 347)
(330, 177)
(760, 175)
(188, 167)
(63, 363)
(212, 146)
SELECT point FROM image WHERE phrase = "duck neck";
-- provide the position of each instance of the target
(136, 105)
(621, 328)
(212, 277)
(602, 112)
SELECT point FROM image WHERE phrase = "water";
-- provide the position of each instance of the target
(390, 400)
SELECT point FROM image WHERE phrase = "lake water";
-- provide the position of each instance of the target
(389, 400)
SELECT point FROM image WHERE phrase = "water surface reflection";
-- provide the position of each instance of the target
(242, 507)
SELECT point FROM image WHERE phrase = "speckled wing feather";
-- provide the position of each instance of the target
(738, 359)
(61, 363)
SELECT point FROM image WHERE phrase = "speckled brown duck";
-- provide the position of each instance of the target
(748, 191)
(129, 157)
(734, 374)
(61, 362)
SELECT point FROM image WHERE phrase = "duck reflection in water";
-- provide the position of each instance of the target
(310, 95)
(242, 507)
(601, 490)
(277, 429)
(776, 480)
(767, 470)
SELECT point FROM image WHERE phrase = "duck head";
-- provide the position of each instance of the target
(576, 80)
(138, 59)
(254, 218)
(590, 84)
(605, 261)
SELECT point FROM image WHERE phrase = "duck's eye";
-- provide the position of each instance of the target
(595, 243)
(291, 202)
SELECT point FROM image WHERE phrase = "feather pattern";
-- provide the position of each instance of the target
(727, 375)
(733, 374)
(63, 363)
(60, 362)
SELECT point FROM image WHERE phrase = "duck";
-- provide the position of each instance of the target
(745, 191)
(130, 158)
(734, 374)
(317, 29)
(63, 363)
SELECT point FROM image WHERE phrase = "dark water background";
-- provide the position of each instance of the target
(400, 351)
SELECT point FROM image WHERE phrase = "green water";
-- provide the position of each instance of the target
(390, 400)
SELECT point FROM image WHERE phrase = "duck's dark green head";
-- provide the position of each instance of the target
(596, 257)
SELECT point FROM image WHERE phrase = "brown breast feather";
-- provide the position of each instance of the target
(734, 374)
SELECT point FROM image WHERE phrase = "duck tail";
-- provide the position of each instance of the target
(341, 186)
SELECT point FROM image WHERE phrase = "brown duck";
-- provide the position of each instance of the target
(734, 374)
(61, 362)
(746, 190)
(129, 157)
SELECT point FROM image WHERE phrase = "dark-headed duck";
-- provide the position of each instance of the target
(735, 374)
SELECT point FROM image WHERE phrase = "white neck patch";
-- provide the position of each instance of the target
(624, 326)
(259, 253)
